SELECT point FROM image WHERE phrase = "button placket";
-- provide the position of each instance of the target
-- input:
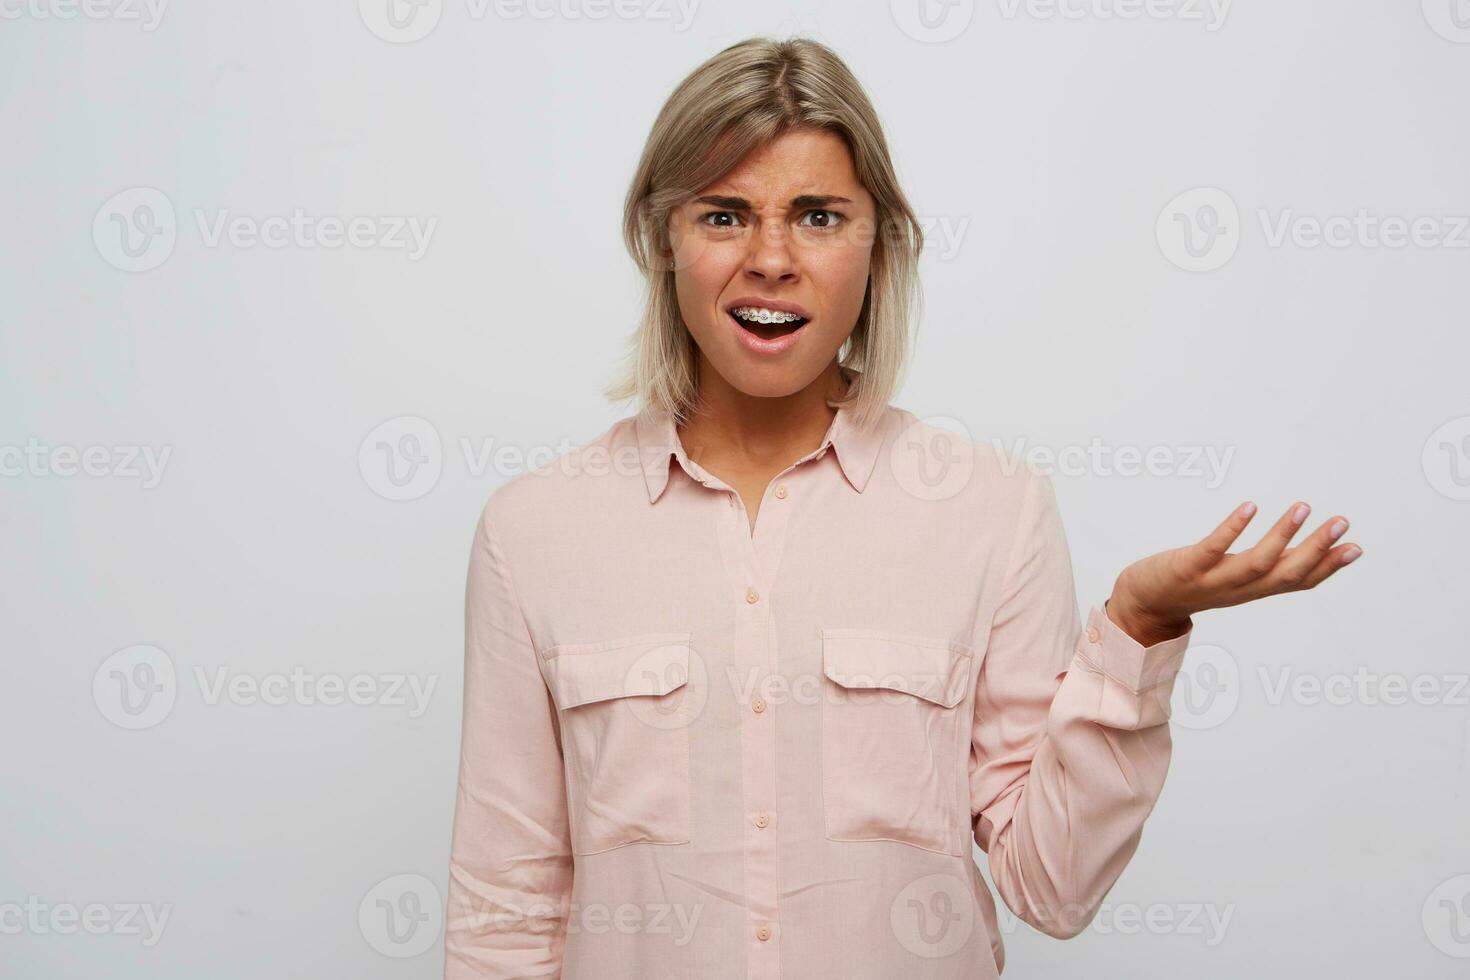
(752, 558)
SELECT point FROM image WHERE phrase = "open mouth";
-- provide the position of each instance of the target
(765, 325)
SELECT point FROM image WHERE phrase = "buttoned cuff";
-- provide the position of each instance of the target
(1109, 649)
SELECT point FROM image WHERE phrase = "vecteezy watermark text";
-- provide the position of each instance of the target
(1201, 229)
(1096, 459)
(137, 229)
(125, 462)
(1210, 13)
(406, 21)
(138, 686)
(37, 917)
(149, 13)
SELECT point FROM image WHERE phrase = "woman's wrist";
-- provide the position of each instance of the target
(1145, 626)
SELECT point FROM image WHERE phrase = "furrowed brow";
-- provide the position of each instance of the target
(797, 203)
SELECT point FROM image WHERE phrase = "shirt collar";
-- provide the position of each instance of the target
(658, 440)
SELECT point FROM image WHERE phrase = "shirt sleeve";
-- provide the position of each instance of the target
(510, 866)
(1070, 738)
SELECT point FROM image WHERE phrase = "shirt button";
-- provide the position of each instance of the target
(752, 596)
(763, 933)
(781, 491)
(761, 820)
(1092, 633)
(758, 705)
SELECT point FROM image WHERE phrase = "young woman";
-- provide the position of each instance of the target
(747, 676)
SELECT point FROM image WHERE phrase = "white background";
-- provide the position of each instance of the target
(1047, 143)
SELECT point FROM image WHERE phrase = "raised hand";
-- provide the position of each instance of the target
(1153, 599)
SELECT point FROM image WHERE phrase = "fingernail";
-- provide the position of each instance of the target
(1338, 526)
(1247, 509)
(1351, 553)
(1300, 514)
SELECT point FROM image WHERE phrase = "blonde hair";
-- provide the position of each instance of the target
(745, 96)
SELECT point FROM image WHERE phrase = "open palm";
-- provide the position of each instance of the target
(1162, 591)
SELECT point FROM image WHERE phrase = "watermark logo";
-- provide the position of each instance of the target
(933, 458)
(401, 21)
(1446, 458)
(136, 687)
(401, 917)
(1199, 230)
(1206, 691)
(401, 459)
(1450, 19)
(933, 916)
(677, 668)
(1447, 917)
(135, 230)
(932, 21)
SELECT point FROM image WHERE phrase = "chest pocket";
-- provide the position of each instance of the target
(625, 706)
(895, 738)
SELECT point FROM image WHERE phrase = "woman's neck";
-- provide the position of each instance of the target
(752, 434)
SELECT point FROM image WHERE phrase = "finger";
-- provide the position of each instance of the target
(1335, 559)
(1256, 562)
(1298, 564)
(1331, 562)
(1211, 549)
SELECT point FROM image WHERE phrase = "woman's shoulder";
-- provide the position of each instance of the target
(569, 479)
(949, 455)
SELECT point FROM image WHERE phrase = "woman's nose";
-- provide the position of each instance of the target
(771, 255)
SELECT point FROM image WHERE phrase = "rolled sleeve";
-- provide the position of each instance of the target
(510, 867)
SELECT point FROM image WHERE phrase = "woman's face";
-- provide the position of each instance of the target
(790, 230)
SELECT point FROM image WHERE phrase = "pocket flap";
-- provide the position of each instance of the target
(932, 668)
(649, 664)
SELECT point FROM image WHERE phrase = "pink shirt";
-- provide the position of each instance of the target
(692, 751)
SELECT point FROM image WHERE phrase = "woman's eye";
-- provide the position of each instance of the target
(729, 219)
(719, 214)
(832, 218)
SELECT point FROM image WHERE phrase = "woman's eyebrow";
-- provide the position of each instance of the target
(801, 201)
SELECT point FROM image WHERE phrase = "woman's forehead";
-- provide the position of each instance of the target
(777, 179)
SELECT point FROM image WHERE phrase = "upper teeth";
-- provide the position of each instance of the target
(762, 315)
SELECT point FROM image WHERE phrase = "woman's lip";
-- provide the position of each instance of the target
(760, 345)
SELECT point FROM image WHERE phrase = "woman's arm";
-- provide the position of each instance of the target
(1070, 741)
(510, 867)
